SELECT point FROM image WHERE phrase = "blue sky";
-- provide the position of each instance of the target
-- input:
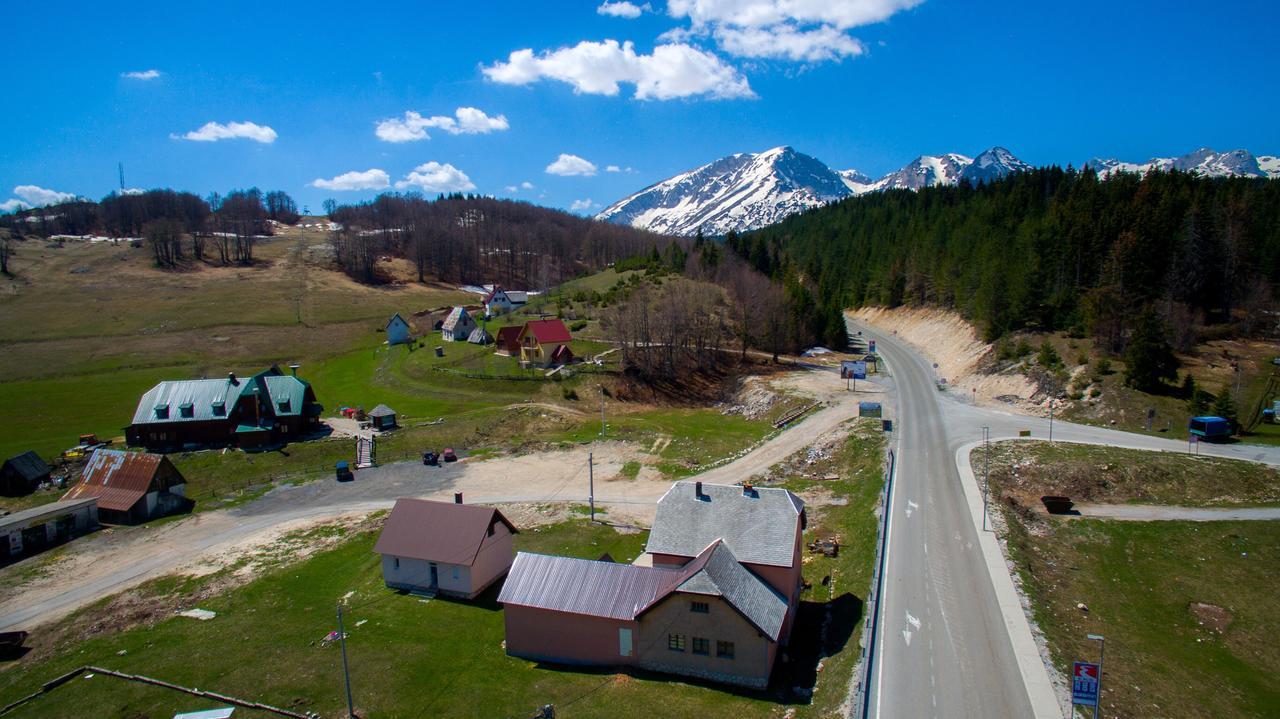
(866, 84)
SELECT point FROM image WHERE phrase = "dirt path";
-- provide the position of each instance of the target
(115, 560)
(1155, 513)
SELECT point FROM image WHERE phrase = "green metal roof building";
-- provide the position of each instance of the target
(268, 408)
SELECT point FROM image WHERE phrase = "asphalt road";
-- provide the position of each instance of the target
(943, 650)
(943, 647)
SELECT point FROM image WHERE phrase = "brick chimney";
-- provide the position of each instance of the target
(697, 490)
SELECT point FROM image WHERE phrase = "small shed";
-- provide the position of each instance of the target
(32, 530)
(383, 417)
(479, 336)
(457, 326)
(445, 548)
(131, 487)
(1208, 427)
(22, 473)
(398, 331)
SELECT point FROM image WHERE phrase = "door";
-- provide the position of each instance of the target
(435, 576)
(624, 641)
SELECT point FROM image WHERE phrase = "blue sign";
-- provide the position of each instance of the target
(1085, 679)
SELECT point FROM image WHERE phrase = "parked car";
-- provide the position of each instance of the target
(343, 471)
(431, 459)
(449, 455)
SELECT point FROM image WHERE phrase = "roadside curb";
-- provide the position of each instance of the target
(1040, 691)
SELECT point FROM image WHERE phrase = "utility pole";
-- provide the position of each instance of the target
(986, 471)
(1051, 421)
(591, 484)
(346, 671)
(1102, 650)
(602, 410)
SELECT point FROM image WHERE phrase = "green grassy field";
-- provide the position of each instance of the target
(439, 658)
(1142, 582)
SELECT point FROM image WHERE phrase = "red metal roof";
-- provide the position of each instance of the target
(552, 330)
(437, 531)
(583, 586)
(118, 479)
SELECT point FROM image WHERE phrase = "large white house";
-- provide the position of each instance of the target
(501, 301)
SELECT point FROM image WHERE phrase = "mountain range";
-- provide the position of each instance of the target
(746, 191)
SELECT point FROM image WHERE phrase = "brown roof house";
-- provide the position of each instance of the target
(719, 612)
(508, 341)
(131, 487)
(445, 548)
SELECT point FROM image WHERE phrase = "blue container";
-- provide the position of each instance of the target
(1210, 427)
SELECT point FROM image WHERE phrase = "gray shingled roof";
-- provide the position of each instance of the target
(382, 411)
(758, 529)
(721, 575)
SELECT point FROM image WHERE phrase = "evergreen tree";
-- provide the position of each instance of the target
(1198, 404)
(1149, 359)
(1225, 407)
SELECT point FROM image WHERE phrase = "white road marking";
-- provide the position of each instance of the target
(913, 621)
(906, 636)
(911, 506)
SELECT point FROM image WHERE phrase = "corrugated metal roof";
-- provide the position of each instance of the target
(437, 531)
(214, 399)
(583, 586)
(52, 509)
(28, 465)
(118, 479)
(717, 572)
(759, 528)
(289, 389)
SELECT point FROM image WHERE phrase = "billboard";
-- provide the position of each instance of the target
(1085, 679)
(853, 369)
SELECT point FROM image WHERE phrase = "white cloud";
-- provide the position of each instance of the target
(141, 74)
(797, 30)
(788, 42)
(437, 177)
(581, 205)
(624, 9)
(570, 166)
(613, 168)
(13, 205)
(373, 179)
(39, 197)
(526, 185)
(132, 191)
(596, 68)
(841, 14)
(214, 131)
(413, 126)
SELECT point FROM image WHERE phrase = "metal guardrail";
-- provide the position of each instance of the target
(862, 706)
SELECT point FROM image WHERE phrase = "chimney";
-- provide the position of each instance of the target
(748, 490)
(457, 497)
(697, 490)
(231, 377)
(294, 368)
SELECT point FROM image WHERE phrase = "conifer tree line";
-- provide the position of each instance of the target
(1167, 255)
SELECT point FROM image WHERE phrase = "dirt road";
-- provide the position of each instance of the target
(109, 562)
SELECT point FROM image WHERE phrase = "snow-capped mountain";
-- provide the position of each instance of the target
(745, 191)
(925, 171)
(1205, 161)
(739, 192)
(993, 165)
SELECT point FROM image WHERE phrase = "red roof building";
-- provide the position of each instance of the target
(545, 343)
(508, 341)
(131, 487)
(444, 548)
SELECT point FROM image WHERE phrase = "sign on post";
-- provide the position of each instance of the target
(872, 347)
(1084, 684)
(853, 369)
